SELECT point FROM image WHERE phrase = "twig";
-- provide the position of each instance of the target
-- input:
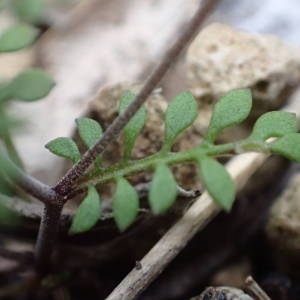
(187, 193)
(64, 186)
(255, 290)
(195, 218)
(143, 189)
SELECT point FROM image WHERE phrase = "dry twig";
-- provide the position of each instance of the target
(255, 290)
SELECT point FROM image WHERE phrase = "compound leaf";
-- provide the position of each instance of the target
(217, 181)
(64, 147)
(288, 146)
(163, 190)
(135, 125)
(89, 131)
(88, 212)
(31, 85)
(28, 10)
(274, 124)
(233, 108)
(125, 204)
(17, 37)
(181, 113)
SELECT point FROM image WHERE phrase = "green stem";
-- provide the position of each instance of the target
(12, 151)
(169, 158)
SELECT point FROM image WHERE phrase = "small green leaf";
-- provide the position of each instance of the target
(231, 109)
(217, 181)
(29, 10)
(89, 130)
(31, 85)
(17, 37)
(288, 146)
(274, 124)
(64, 147)
(135, 125)
(88, 212)
(163, 190)
(125, 204)
(181, 113)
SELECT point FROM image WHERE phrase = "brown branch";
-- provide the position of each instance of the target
(143, 190)
(64, 186)
(48, 231)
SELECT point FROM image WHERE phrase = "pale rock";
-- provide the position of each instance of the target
(222, 59)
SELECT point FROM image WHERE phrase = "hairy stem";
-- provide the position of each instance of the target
(48, 231)
(64, 186)
(171, 158)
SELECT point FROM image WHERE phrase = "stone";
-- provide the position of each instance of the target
(224, 293)
(222, 59)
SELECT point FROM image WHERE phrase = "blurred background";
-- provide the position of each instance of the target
(87, 45)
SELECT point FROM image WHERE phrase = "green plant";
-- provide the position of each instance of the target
(88, 172)
(30, 85)
(232, 109)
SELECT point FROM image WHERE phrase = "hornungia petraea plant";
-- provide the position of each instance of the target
(88, 172)
(230, 110)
